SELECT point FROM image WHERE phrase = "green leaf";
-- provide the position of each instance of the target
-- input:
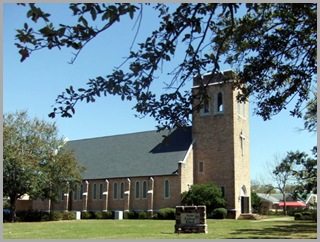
(131, 13)
(83, 20)
(93, 14)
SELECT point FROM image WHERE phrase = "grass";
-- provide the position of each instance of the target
(159, 229)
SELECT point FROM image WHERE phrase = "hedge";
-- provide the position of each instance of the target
(219, 213)
(166, 214)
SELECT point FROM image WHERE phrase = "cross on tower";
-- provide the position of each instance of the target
(242, 138)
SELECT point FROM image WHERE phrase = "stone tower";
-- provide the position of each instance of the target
(221, 141)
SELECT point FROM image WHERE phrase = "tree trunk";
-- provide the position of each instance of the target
(13, 201)
(284, 204)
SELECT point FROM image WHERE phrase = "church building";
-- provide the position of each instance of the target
(146, 172)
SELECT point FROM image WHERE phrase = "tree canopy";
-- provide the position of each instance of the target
(209, 195)
(297, 171)
(34, 161)
(272, 48)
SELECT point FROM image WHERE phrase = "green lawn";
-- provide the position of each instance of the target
(159, 229)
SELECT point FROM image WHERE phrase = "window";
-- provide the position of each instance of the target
(242, 142)
(137, 189)
(75, 192)
(201, 166)
(122, 190)
(62, 195)
(94, 191)
(144, 189)
(100, 191)
(166, 189)
(81, 192)
(206, 107)
(115, 190)
(220, 103)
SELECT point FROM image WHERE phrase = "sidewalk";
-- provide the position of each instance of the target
(288, 218)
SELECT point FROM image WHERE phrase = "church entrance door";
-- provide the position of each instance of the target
(244, 204)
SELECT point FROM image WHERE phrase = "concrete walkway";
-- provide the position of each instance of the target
(288, 218)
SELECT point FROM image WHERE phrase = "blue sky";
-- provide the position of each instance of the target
(35, 83)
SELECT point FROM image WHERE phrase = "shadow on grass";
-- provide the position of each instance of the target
(307, 230)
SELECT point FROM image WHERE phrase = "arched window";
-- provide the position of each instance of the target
(94, 191)
(137, 189)
(100, 191)
(166, 189)
(220, 102)
(205, 106)
(122, 190)
(75, 192)
(81, 192)
(144, 189)
(115, 190)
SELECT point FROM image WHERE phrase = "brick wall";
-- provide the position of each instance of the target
(135, 203)
(218, 145)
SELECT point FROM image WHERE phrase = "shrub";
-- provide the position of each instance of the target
(142, 215)
(55, 216)
(32, 216)
(306, 213)
(45, 217)
(133, 215)
(167, 213)
(107, 215)
(219, 213)
(85, 215)
(92, 214)
(209, 195)
(98, 215)
(68, 215)
(297, 216)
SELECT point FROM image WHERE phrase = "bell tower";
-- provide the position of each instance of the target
(220, 132)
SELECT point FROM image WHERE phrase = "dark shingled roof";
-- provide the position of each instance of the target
(138, 154)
